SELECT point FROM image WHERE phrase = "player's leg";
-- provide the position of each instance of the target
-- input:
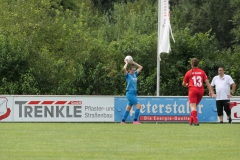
(199, 95)
(137, 112)
(192, 95)
(190, 99)
(227, 110)
(128, 108)
(126, 113)
(193, 107)
(134, 101)
(191, 117)
(219, 104)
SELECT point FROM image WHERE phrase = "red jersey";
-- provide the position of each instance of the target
(195, 78)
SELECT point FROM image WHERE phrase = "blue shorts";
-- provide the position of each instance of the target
(132, 97)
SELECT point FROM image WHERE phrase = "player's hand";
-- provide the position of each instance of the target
(185, 85)
(229, 96)
(125, 61)
(212, 94)
(131, 62)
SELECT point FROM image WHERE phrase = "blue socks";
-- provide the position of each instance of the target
(125, 115)
(137, 111)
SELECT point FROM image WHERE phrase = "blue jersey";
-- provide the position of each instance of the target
(131, 81)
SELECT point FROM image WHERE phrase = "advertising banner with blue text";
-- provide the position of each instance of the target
(166, 109)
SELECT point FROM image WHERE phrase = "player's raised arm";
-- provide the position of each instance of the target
(138, 65)
(125, 67)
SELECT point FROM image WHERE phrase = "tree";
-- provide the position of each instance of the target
(203, 16)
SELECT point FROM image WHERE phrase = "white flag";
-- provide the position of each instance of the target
(164, 27)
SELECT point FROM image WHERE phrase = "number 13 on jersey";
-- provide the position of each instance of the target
(197, 81)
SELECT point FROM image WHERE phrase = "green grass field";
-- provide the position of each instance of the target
(114, 141)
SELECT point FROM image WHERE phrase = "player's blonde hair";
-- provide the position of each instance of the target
(194, 62)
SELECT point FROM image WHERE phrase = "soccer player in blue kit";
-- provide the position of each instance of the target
(131, 90)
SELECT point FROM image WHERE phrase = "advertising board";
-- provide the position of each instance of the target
(167, 109)
(59, 108)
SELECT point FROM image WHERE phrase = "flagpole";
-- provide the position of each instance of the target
(158, 75)
(164, 27)
(158, 55)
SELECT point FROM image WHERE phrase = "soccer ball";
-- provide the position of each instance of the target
(128, 58)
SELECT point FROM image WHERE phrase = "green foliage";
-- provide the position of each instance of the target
(68, 47)
(13, 62)
(202, 16)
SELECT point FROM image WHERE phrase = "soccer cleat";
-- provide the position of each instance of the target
(123, 122)
(196, 124)
(191, 120)
(190, 124)
(136, 122)
(230, 120)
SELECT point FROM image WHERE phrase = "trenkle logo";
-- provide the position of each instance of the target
(4, 111)
(49, 109)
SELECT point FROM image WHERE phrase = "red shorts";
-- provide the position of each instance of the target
(195, 96)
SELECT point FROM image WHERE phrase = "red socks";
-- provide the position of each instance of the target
(191, 118)
(194, 116)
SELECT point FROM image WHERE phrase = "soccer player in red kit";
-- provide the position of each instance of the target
(194, 79)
